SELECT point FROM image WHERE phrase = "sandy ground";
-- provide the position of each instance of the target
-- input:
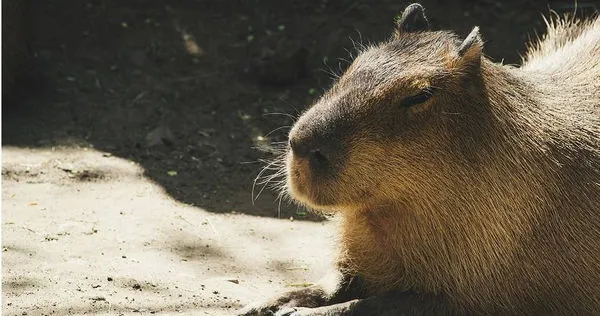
(84, 232)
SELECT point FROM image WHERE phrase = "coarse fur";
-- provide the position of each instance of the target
(487, 193)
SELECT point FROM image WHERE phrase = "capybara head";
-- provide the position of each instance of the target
(386, 129)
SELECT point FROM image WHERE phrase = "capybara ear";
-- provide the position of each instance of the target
(473, 41)
(470, 50)
(412, 20)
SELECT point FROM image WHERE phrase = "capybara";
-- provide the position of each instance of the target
(464, 186)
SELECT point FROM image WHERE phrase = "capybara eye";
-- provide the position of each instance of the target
(421, 97)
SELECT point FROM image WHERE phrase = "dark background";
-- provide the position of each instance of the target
(197, 86)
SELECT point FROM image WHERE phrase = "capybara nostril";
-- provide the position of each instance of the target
(318, 159)
(316, 149)
(300, 146)
(308, 148)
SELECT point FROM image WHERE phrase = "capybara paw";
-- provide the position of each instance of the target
(257, 310)
(309, 297)
(331, 310)
(291, 311)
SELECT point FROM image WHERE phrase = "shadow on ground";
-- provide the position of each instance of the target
(190, 89)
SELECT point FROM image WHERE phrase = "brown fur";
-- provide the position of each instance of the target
(488, 193)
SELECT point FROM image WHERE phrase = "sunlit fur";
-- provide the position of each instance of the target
(488, 193)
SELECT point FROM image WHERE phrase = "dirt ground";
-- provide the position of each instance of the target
(129, 154)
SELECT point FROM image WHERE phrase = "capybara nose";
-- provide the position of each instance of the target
(315, 149)
(299, 148)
